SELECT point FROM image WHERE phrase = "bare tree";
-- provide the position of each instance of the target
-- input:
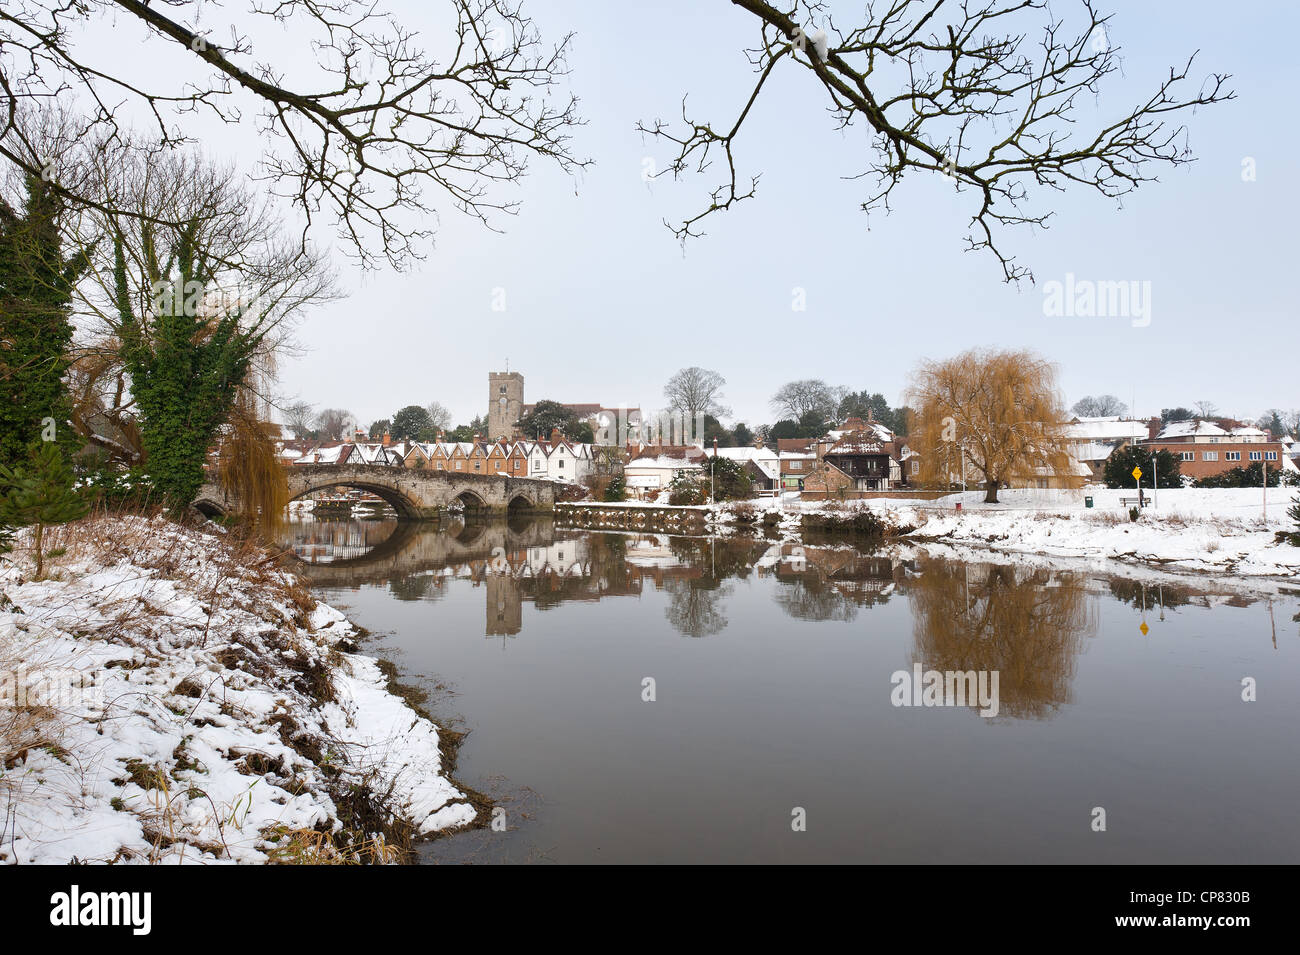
(439, 417)
(299, 417)
(366, 134)
(695, 392)
(1206, 409)
(335, 423)
(797, 398)
(960, 90)
(1099, 406)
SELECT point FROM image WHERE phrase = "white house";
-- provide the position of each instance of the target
(653, 468)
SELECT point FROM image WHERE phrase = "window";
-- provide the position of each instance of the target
(796, 465)
(1270, 455)
(1186, 455)
(503, 389)
(916, 467)
(1254, 455)
(1232, 455)
(1209, 455)
(560, 464)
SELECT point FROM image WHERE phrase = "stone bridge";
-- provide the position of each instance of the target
(415, 493)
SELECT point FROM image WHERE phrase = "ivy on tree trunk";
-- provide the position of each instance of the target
(186, 361)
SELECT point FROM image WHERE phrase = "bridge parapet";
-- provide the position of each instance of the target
(415, 493)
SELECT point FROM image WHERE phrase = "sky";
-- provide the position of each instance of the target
(602, 304)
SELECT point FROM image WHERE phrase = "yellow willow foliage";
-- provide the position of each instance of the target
(1000, 410)
(249, 466)
(1028, 625)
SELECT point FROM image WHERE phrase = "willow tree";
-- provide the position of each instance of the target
(994, 416)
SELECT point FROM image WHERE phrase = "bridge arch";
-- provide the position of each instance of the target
(403, 505)
(471, 501)
(521, 502)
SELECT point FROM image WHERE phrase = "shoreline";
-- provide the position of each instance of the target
(174, 695)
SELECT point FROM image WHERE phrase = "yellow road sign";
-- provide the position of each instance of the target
(1137, 473)
(1144, 628)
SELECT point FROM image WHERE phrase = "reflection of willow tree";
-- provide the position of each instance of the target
(1027, 625)
(694, 606)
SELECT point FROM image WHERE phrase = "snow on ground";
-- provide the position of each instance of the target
(1199, 529)
(202, 708)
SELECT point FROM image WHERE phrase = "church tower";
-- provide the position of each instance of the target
(505, 403)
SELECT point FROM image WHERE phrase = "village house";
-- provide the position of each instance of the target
(859, 455)
(1093, 440)
(763, 465)
(1206, 448)
(652, 468)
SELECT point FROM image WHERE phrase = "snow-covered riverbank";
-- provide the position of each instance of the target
(1220, 530)
(168, 696)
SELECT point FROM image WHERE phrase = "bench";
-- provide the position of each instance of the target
(1134, 501)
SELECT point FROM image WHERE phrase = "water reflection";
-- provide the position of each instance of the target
(773, 664)
(1028, 625)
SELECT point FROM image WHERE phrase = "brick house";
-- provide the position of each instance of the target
(1206, 448)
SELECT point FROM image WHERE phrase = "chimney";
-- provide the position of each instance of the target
(556, 436)
(478, 438)
(871, 416)
(388, 438)
(441, 437)
(715, 445)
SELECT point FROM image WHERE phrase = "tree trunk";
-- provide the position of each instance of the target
(990, 492)
(38, 543)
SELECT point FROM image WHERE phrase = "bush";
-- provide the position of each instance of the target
(1250, 476)
(731, 482)
(1118, 472)
(616, 489)
(684, 491)
(1292, 537)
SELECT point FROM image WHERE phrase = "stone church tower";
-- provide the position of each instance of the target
(505, 403)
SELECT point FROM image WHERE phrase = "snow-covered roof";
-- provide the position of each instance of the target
(1191, 429)
(875, 427)
(747, 453)
(1093, 450)
(1105, 429)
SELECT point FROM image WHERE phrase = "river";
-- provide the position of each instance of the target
(646, 698)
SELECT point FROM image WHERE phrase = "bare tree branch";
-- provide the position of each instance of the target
(363, 141)
(959, 89)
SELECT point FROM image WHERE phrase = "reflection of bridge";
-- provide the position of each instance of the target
(412, 492)
(412, 549)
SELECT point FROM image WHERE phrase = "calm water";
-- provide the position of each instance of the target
(772, 670)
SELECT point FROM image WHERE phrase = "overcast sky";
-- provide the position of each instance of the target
(602, 303)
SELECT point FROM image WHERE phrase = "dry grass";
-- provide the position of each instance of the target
(312, 847)
(24, 728)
